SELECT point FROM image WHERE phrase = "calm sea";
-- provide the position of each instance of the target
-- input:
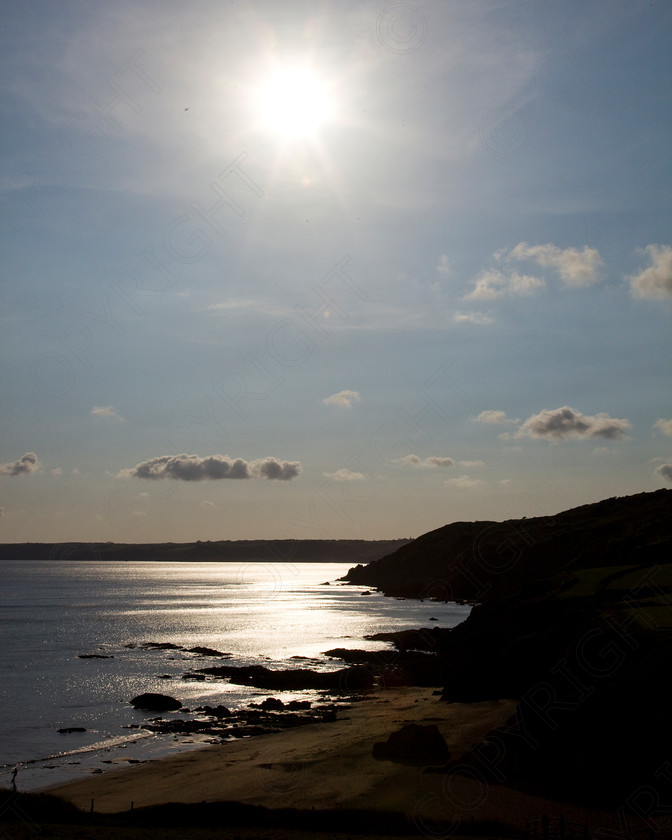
(53, 612)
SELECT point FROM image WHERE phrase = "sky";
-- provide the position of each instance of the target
(329, 270)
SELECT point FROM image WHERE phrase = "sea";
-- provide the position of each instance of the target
(58, 617)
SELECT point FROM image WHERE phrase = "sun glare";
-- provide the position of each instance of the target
(294, 102)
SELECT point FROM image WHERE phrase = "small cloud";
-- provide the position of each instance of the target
(563, 423)
(106, 411)
(74, 471)
(343, 399)
(443, 265)
(479, 318)
(494, 417)
(431, 461)
(345, 474)
(493, 283)
(664, 426)
(505, 482)
(464, 482)
(655, 282)
(665, 471)
(470, 465)
(26, 464)
(576, 268)
(206, 503)
(57, 471)
(212, 468)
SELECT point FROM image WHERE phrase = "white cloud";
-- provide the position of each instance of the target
(576, 268)
(479, 318)
(665, 426)
(26, 464)
(665, 471)
(106, 411)
(206, 503)
(655, 282)
(345, 474)
(443, 265)
(494, 417)
(430, 461)
(343, 399)
(493, 283)
(212, 467)
(57, 471)
(470, 465)
(565, 422)
(464, 482)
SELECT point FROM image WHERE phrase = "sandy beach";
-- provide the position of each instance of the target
(331, 766)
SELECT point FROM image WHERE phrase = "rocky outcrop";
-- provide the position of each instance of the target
(155, 703)
(414, 744)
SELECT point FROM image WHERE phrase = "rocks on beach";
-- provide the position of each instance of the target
(155, 702)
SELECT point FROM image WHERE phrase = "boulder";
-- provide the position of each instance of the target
(413, 744)
(155, 702)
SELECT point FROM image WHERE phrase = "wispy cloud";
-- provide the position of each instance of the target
(576, 268)
(463, 482)
(654, 282)
(25, 465)
(443, 265)
(343, 399)
(212, 467)
(344, 474)
(493, 283)
(494, 417)
(479, 318)
(665, 471)
(106, 411)
(665, 426)
(430, 461)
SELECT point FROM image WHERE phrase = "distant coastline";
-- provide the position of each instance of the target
(221, 551)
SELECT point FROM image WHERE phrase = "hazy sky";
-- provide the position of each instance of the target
(331, 269)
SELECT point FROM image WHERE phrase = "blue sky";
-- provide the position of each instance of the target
(331, 270)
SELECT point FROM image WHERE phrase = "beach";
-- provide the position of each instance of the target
(330, 766)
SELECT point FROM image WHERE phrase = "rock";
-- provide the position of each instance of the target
(272, 704)
(67, 729)
(93, 656)
(413, 744)
(206, 651)
(156, 702)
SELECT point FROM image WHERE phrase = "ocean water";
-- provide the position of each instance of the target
(51, 613)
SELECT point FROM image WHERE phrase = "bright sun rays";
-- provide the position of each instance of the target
(294, 102)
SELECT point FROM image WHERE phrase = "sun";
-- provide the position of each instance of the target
(294, 102)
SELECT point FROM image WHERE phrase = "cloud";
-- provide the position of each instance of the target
(27, 464)
(576, 268)
(472, 464)
(212, 467)
(106, 411)
(494, 417)
(57, 471)
(431, 461)
(665, 471)
(563, 423)
(443, 265)
(463, 482)
(343, 399)
(493, 283)
(206, 503)
(665, 426)
(345, 474)
(655, 282)
(479, 318)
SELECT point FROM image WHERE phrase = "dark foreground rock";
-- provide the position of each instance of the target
(155, 702)
(414, 744)
(343, 681)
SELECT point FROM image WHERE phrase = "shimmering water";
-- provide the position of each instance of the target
(51, 613)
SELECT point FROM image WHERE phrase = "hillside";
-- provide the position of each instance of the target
(221, 551)
(575, 622)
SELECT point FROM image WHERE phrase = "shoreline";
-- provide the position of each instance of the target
(330, 766)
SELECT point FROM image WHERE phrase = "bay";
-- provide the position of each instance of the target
(54, 613)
